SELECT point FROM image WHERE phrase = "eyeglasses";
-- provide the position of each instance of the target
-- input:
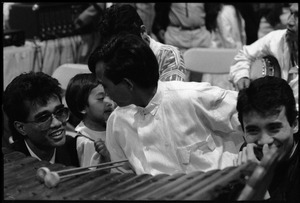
(44, 121)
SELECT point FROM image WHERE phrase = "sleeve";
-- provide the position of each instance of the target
(171, 65)
(113, 146)
(85, 151)
(247, 55)
(112, 143)
(218, 109)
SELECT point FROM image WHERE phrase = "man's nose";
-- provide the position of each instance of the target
(291, 20)
(265, 139)
(108, 101)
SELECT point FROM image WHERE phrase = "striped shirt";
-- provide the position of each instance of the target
(170, 61)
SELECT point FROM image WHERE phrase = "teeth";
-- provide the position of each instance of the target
(57, 133)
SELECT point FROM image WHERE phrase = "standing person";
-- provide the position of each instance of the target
(227, 27)
(163, 127)
(226, 24)
(271, 18)
(124, 18)
(282, 44)
(182, 25)
(268, 115)
(37, 119)
(87, 100)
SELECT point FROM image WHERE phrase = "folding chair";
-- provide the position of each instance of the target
(209, 60)
(66, 71)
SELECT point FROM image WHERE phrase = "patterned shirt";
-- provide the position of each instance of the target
(170, 61)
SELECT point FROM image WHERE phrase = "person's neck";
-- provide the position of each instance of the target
(145, 96)
(44, 154)
(94, 125)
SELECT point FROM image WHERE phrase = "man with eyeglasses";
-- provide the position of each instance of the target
(37, 119)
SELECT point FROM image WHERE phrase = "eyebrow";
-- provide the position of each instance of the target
(100, 94)
(46, 111)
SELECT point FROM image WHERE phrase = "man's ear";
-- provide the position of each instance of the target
(144, 34)
(128, 83)
(143, 29)
(19, 126)
(296, 126)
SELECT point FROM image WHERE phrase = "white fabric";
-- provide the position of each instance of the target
(87, 154)
(190, 15)
(187, 126)
(228, 34)
(274, 44)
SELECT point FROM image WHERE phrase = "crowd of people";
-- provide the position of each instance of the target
(138, 103)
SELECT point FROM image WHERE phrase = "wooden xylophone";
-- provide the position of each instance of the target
(20, 183)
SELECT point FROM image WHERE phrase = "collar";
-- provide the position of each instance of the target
(154, 45)
(153, 105)
(52, 160)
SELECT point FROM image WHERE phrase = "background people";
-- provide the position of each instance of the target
(124, 18)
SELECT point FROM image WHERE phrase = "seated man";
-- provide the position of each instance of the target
(125, 18)
(163, 127)
(282, 44)
(267, 113)
(37, 119)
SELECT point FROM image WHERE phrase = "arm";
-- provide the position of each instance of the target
(171, 65)
(242, 62)
(219, 108)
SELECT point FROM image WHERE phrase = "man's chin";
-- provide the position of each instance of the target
(59, 142)
(291, 36)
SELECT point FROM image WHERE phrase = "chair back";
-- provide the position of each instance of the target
(209, 60)
(66, 71)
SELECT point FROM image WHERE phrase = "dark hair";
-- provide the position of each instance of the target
(211, 13)
(266, 96)
(78, 91)
(32, 87)
(119, 18)
(127, 56)
(272, 12)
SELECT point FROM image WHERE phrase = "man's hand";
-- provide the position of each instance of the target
(242, 83)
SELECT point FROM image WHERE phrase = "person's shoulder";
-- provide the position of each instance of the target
(156, 46)
(19, 145)
(276, 33)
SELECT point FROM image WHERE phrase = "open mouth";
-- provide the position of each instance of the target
(108, 111)
(57, 134)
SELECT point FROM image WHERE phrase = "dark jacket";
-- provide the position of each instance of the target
(285, 185)
(66, 154)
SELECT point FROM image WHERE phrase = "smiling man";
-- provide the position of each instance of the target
(282, 44)
(37, 119)
(267, 113)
